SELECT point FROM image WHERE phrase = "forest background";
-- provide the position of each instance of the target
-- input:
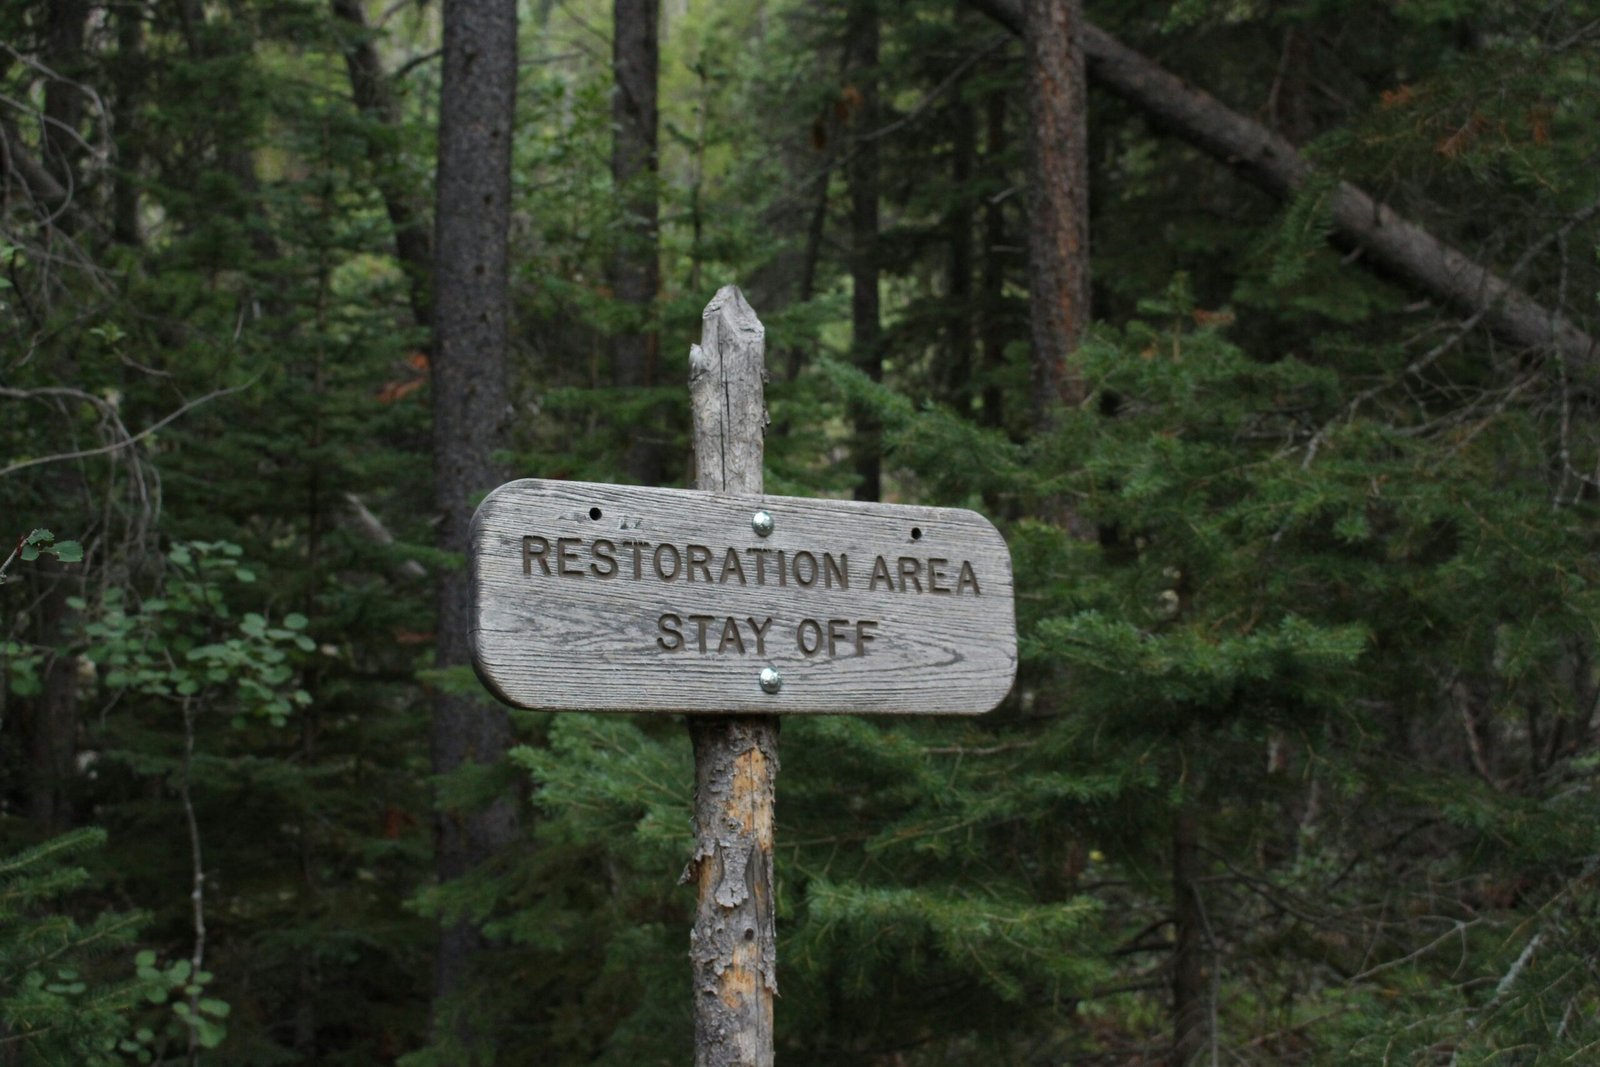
(1299, 469)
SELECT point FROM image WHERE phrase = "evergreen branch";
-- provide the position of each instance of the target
(69, 843)
(107, 930)
(1428, 358)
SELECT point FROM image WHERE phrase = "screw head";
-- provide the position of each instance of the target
(761, 523)
(771, 680)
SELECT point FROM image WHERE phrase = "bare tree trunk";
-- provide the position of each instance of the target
(128, 79)
(473, 215)
(992, 303)
(63, 99)
(816, 227)
(1190, 1002)
(635, 264)
(53, 723)
(958, 287)
(408, 216)
(862, 175)
(1387, 240)
(733, 945)
(1058, 201)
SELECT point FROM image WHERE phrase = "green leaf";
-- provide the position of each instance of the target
(69, 552)
(211, 1034)
(296, 621)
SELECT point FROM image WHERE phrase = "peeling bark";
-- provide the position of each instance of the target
(733, 943)
(733, 946)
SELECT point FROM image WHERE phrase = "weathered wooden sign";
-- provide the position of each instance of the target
(612, 597)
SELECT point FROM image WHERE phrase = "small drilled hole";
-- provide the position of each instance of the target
(594, 513)
(749, 934)
(916, 533)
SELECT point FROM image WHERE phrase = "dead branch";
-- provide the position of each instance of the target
(1387, 240)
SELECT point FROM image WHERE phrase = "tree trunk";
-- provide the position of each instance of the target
(993, 281)
(1190, 1000)
(128, 80)
(733, 945)
(1058, 201)
(374, 97)
(862, 175)
(1387, 240)
(53, 723)
(635, 264)
(63, 99)
(959, 312)
(473, 215)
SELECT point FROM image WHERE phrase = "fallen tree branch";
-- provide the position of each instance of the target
(127, 441)
(372, 529)
(1272, 163)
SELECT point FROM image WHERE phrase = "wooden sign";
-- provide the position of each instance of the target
(612, 597)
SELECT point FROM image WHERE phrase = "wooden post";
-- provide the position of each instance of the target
(733, 945)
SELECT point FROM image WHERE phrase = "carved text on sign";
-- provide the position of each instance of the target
(592, 596)
(577, 557)
(636, 559)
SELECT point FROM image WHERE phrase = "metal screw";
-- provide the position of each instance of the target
(771, 680)
(761, 523)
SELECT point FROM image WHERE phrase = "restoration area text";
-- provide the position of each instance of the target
(638, 560)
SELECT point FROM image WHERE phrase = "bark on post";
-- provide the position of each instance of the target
(733, 945)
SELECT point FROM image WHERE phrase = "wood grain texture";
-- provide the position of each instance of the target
(726, 376)
(733, 942)
(581, 641)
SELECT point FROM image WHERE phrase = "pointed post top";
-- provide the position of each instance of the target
(727, 373)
